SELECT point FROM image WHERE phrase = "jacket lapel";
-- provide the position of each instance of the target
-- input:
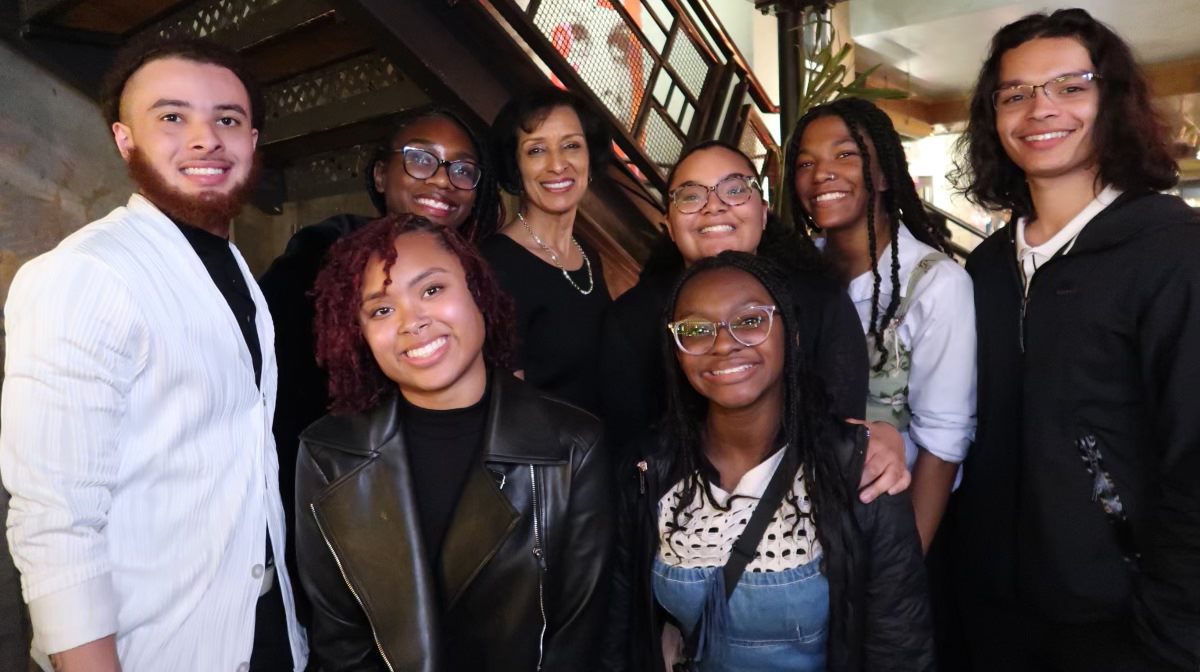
(516, 433)
(482, 521)
(369, 519)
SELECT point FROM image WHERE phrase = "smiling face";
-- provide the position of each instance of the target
(1049, 137)
(731, 375)
(553, 161)
(717, 227)
(424, 328)
(186, 127)
(829, 175)
(434, 197)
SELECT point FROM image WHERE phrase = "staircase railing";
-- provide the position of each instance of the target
(665, 71)
(968, 236)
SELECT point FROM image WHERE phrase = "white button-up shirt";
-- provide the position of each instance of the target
(939, 330)
(138, 450)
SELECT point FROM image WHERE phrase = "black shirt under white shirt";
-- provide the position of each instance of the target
(271, 646)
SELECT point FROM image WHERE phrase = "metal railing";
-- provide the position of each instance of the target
(973, 234)
(665, 71)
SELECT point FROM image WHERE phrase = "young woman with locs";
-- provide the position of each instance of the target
(851, 182)
(833, 583)
(715, 203)
(451, 517)
(549, 145)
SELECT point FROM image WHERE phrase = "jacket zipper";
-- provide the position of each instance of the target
(1027, 291)
(541, 559)
(346, 580)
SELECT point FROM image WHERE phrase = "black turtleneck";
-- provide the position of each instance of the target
(442, 447)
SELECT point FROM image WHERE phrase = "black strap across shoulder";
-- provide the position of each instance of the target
(747, 542)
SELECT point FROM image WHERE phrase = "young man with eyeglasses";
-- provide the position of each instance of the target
(1079, 515)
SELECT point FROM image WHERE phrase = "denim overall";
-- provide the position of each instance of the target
(777, 620)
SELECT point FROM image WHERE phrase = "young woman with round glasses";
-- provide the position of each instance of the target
(832, 583)
(451, 517)
(402, 178)
(850, 181)
(549, 145)
(715, 203)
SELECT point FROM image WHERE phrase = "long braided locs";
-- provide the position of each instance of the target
(900, 200)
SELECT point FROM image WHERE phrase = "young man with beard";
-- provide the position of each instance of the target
(140, 385)
(1079, 512)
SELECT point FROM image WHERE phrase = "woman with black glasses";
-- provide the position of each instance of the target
(431, 164)
(549, 145)
(814, 580)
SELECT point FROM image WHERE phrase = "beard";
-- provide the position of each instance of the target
(211, 211)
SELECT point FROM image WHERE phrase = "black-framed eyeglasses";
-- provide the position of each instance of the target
(750, 326)
(1062, 88)
(732, 191)
(423, 164)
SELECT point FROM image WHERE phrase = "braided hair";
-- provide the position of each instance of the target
(487, 212)
(806, 415)
(900, 199)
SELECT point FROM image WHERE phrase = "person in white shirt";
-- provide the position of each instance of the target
(138, 397)
(851, 181)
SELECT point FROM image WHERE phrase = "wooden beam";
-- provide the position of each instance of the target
(1174, 78)
(908, 116)
(44, 10)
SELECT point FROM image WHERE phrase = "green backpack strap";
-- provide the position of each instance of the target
(919, 272)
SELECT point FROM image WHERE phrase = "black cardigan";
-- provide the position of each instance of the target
(878, 598)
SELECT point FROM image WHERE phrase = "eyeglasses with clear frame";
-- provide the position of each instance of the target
(422, 164)
(732, 191)
(1073, 85)
(750, 326)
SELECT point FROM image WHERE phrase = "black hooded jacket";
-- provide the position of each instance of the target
(1079, 511)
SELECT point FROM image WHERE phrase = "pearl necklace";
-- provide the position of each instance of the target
(554, 257)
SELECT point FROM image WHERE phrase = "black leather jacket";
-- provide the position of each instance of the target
(524, 564)
(879, 615)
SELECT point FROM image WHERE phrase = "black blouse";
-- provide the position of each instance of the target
(558, 328)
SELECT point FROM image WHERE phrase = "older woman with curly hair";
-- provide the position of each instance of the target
(448, 517)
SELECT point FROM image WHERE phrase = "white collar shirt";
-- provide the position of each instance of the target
(1031, 257)
(939, 331)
